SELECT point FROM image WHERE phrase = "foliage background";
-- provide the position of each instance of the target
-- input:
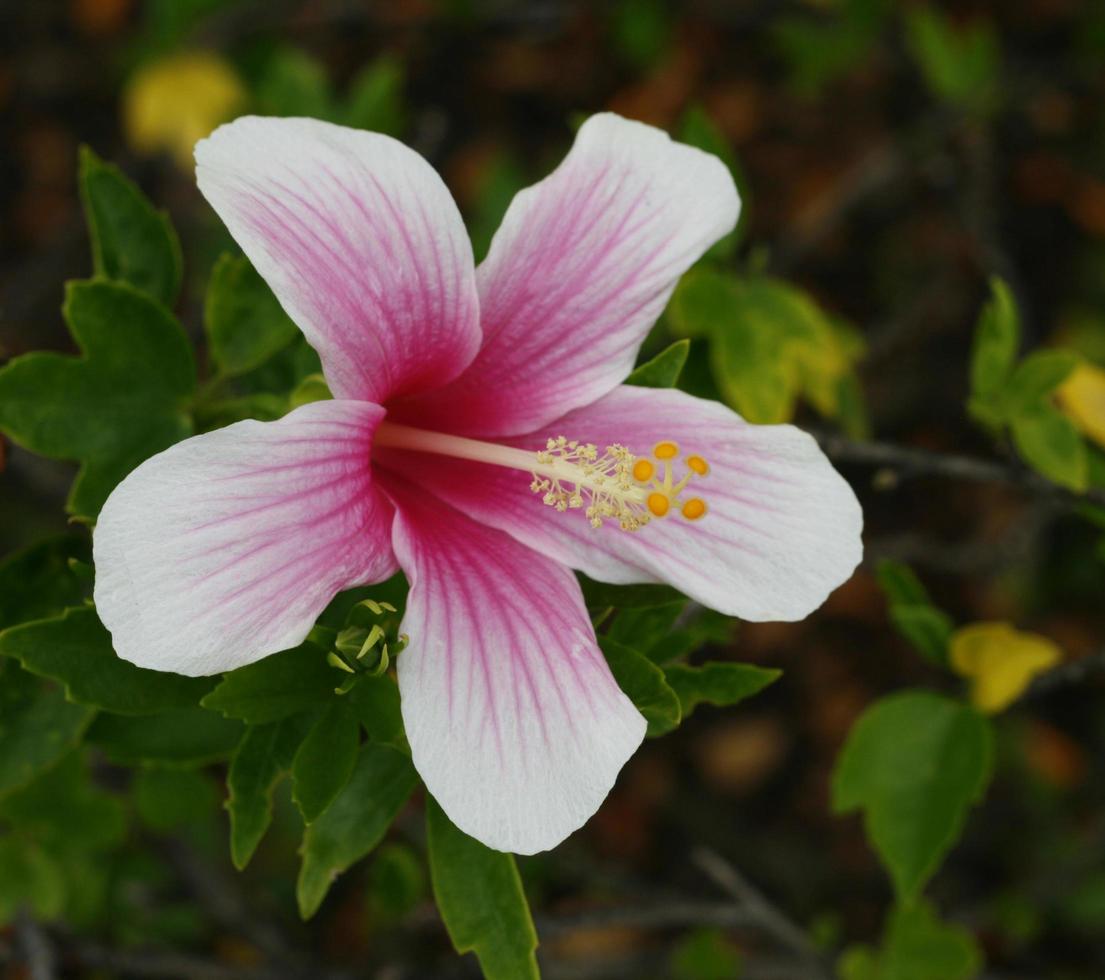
(894, 157)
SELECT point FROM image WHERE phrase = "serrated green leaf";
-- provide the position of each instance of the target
(38, 726)
(480, 898)
(645, 629)
(644, 684)
(916, 946)
(1048, 441)
(39, 581)
(280, 685)
(244, 321)
(325, 759)
(263, 757)
(75, 650)
(1036, 378)
(125, 399)
(354, 823)
(132, 242)
(664, 369)
(717, 683)
(184, 737)
(915, 763)
(703, 301)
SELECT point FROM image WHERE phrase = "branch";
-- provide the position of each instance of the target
(36, 948)
(907, 462)
(661, 915)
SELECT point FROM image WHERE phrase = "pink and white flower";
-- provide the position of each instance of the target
(458, 393)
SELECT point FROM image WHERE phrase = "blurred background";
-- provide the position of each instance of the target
(892, 157)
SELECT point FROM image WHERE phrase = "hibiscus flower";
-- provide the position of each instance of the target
(480, 440)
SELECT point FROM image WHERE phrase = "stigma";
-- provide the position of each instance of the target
(612, 485)
(616, 485)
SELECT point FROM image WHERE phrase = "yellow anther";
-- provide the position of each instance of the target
(643, 470)
(694, 509)
(698, 464)
(665, 450)
(658, 504)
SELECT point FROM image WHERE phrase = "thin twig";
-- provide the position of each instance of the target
(773, 922)
(36, 948)
(1067, 675)
(661, 915)
(907, 462)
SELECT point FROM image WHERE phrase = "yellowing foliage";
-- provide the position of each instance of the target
(999, 661)
(1082, 399)
(172, 103)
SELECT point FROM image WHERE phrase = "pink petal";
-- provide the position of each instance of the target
(226, 547)
(514, 720)
(361, 242)
(577, 274)
(782, 530)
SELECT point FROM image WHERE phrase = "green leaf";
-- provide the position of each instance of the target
(65, 811)
(131, 241)
(37, 726)
(960, 63)
(312, 388)
(915, 762)
(600, 595)
(244, 321)
(644, 684)
(39, 581)
(705, 954)
(120, 403)
(376, 702)
(29, 878)
(75, 650)
(703, 301)
(397, 883)
(295, 84)
(169, 799)
(354, 823)
(375, 99)
(717, 683)
(184, 737)
(900, 584)
(645, 629)
(916, 946)
(997, 338)
(1036, 378)
(325, 760)
(1048, 441)
(480, 898)
(664, 369)
(263, 757)
(280, 685)
(927, 629)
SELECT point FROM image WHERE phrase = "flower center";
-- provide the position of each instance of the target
(572, 475)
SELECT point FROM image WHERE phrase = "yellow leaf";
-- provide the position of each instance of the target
(999, 661)
(1082, 399)
(172, 103)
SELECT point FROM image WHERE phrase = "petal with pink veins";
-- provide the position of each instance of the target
(227, 546)
(781, 532)
(578, 272)
(361, 242)
(514, 720)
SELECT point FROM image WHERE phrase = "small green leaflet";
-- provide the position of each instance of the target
(37, 726)
(263, 757)
(75, 650)
(245, 323)
(125, 399)
(913, 614)
(996, 341)
(1052, 446)
(643, 683)
(131, 241)
(915, 762)
(325, 760)
(717, 683)
(354, 823)
(664, 369)
(278, 686)
(480, 898)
